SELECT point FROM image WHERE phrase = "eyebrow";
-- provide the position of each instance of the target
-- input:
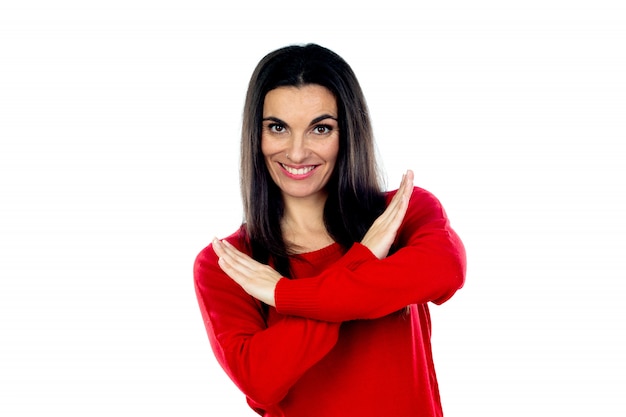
(313, 122)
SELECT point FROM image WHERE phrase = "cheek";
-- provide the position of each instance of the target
(332, 151)
(264, 146)
(268, 147)
(268, 150)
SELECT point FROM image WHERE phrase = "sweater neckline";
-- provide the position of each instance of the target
(318, 253)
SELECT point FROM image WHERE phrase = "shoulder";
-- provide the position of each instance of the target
(220, 296)
(425, 215)
(207, 258)
(422, 203)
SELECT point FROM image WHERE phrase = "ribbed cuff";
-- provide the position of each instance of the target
(298, 297)
(356, 256)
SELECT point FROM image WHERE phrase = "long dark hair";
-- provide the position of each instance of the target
(355, 196)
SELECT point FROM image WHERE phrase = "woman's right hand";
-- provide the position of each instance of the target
(383, 231)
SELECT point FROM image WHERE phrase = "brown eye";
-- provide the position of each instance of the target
(276, 128)
(322, 129)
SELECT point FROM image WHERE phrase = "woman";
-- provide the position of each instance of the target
(317, 305)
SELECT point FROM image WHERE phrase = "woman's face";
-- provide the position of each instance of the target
(300, 139)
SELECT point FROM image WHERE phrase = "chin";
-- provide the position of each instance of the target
(303, 193)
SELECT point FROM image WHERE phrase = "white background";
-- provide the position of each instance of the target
(119, 140)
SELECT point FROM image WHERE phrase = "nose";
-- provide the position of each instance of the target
(297, 149)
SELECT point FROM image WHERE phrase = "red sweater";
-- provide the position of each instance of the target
(340, 341)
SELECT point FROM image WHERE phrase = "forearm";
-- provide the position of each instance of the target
(413, 275)
(267, 364)
(263, 361)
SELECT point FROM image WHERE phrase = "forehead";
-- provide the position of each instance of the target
(304, 100)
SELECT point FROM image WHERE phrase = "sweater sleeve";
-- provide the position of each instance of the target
(427, 264)
(263, 361)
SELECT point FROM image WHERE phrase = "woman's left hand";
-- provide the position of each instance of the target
(257, 279)
(382, 233)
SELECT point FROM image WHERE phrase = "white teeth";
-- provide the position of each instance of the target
(300, 171)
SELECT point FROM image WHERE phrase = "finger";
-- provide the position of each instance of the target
(234, 267)
(392, 211)
(404, 189)
(218, 247)
(409, 177)
(399, 204)
(240, 257)
(225, 250)
(393, 206)
(231, 260)
(406, 186)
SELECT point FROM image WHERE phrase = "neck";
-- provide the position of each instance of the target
(303, 224)
(304, 213)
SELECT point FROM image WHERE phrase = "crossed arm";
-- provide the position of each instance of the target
(260, 280)
(266, 360)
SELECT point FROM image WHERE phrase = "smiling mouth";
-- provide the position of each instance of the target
(298, 171)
